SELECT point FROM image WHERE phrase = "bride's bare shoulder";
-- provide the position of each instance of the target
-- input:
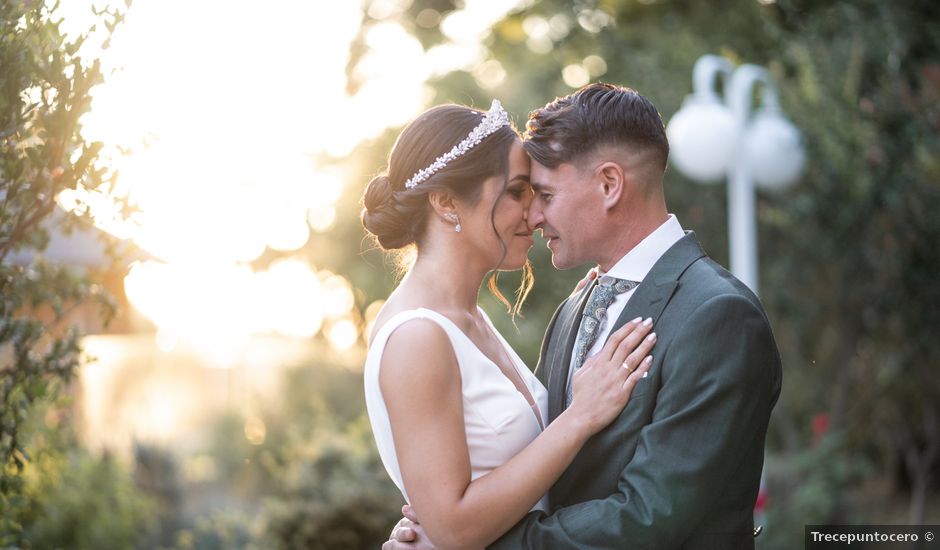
(390, 309)
(414, 353)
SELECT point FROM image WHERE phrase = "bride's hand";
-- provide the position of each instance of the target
(588, 277)
(602, 386)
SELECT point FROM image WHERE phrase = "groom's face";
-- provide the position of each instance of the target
(567, 210)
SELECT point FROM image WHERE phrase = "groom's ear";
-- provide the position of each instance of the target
(611, 179)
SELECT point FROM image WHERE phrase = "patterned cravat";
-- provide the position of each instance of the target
(592, 320)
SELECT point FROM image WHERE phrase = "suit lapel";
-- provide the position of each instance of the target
(651, 297)
(648, 301)
(567, 332)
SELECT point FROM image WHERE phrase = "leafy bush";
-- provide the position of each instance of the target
(70, 497)
(80, 501)
(332, 494)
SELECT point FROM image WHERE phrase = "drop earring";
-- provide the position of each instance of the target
(453, 217)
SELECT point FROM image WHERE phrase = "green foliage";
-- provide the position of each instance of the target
(332, 493)
(69, 497)
(156, 474)
(315, 481)
(45, 90)
(217, 531)
(812, 482)
(82, 501)
(328, 488)
(863, 230)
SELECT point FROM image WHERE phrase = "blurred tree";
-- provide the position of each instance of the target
(218, 531)
(72, 498)
(68, 497)
(324, 484)
(46, 88)
(862, 312)
(156, 474)
(332, 493)
(848, 256)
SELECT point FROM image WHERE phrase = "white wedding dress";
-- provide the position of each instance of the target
(498, 419)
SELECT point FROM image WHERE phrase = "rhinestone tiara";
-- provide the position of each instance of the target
(495, 118)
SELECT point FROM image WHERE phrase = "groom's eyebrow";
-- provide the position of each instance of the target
(540, 187)
(520, 177)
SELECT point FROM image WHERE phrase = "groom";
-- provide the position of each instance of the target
(680, 467)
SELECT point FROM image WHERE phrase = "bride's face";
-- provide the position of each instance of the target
(509, 217)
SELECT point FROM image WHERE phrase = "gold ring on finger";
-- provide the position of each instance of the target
(626, 366)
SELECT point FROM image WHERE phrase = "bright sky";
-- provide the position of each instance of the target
(224, 104)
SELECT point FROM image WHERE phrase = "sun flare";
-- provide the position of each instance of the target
(224, 109)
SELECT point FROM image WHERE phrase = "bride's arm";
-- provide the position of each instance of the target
(420, 383)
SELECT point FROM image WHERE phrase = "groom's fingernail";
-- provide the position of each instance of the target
(648, 322)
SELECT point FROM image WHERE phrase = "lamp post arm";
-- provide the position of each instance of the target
(740, 88)
(706, 70)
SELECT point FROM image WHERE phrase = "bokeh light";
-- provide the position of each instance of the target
(223, 122)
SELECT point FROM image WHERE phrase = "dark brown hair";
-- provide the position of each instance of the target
(567, 129)
(397, 216)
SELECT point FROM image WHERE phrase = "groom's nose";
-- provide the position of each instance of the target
(535, 216)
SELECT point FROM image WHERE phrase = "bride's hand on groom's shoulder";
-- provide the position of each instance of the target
(603, 385)
(588, 277)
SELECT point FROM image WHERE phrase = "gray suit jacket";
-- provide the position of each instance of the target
(680, 467)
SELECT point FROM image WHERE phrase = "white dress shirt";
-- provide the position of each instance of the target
(635, 266)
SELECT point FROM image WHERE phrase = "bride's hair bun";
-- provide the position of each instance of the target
(384, 216)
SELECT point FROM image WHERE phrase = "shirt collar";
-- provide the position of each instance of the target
(640, 260)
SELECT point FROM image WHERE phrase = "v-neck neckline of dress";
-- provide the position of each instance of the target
(528, 396)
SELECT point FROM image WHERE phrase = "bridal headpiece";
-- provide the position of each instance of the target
(495, 118)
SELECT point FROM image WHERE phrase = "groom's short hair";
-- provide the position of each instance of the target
(599, 114)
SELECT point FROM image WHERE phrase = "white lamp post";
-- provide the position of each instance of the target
(711, 139)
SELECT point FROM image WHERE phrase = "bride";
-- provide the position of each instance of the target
(458, 418)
